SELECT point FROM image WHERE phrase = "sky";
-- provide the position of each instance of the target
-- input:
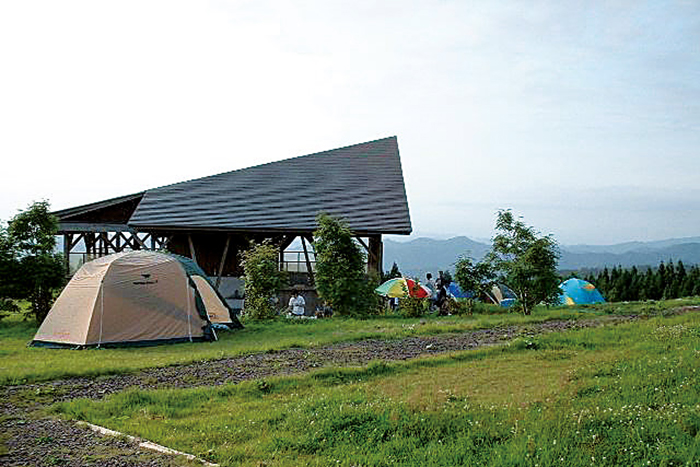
(581, 117)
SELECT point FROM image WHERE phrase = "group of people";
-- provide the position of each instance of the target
(297, 307)
(438, 298)
(438, 287)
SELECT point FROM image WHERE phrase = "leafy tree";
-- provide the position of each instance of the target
(340, 269)
(263, 280)
(32, 269)
(8, 269)
(473, 276)
(525, 261)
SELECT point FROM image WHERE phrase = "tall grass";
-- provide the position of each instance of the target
(617, 395)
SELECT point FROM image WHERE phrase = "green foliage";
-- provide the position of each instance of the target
(665, 282)
(475, 277)
(340, 269)
(263, 280)
(411, 306)
(29, 267)
(525, 261)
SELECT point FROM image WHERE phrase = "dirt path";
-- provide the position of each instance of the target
(33, 440)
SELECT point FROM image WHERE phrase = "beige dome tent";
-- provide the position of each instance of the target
(136, 297)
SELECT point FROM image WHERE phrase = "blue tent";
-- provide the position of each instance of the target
(454, 291)
(579, 292)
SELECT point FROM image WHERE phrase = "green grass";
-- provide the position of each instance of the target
(20, 364)
(617, 395)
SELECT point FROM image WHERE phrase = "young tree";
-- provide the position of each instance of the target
(263, 280)
(473, 276)
(8, 268)
(476, 277)
(36, 270)
(340, 269)
(525, 261)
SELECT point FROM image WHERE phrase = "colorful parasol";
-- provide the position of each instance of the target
(400, 288)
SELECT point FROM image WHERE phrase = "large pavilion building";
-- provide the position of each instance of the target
(213, 219)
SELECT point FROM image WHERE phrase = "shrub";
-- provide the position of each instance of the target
(263, 280)
(340, 269)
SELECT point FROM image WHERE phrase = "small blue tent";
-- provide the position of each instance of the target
(456, 292)
(579, 292)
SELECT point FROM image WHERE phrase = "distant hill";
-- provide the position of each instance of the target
(422, 255)
(428, 255)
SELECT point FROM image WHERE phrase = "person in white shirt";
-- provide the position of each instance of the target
(297, 304)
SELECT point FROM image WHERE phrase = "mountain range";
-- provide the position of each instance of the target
(422, 255)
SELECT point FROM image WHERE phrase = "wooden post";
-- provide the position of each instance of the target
(67, 245)
(376, 254)
(223, 261)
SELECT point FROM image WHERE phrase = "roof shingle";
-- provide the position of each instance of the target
(362, 183)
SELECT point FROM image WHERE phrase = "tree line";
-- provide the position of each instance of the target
(667, 281)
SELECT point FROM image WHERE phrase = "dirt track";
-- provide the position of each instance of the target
(33, 440)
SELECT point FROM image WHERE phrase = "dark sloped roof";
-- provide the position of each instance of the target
(362, 184)
(92, 207)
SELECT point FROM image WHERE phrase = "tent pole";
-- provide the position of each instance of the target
(102, 311)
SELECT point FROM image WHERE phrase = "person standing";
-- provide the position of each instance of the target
(441, 298)
(430, 283)
(297, 304)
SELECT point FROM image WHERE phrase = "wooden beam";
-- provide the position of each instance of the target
(109, 242)
(75, 227)
(362, 242)
(193, 254)
(223, 261)
(372, 257)
(309, 269)
(139, 242)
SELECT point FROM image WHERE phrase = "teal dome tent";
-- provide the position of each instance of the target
(579, 292)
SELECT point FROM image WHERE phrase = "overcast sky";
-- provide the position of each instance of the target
(583, 117)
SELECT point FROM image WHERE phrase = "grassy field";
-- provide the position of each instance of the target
(20, 364)
(619, 395)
